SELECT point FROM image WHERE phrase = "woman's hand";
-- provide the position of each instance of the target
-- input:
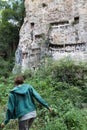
(2, 125)
(50, 109)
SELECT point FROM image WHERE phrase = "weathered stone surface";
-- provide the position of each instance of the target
(60, 23)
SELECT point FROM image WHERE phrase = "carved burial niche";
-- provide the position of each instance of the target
(32, 25)
(76, 20)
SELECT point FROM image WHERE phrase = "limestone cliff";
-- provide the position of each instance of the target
(52, 27)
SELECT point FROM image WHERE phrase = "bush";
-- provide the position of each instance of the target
(5, 67)
(75, 120)
(58, 124)
(63, 85)
(70, 72)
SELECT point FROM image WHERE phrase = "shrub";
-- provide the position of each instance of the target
(75, 120)
(57, 124)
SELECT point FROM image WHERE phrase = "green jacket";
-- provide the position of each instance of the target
(21, 102)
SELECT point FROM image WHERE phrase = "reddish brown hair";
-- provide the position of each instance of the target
(19, 80)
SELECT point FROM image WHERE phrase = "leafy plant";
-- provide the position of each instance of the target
(63, 85)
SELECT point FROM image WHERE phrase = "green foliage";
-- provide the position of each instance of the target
(3, 4)
(6, 67)
(69, 71)
(8, 36)
(12, 17)
(75, 120)
(63, 85)
(58, 124)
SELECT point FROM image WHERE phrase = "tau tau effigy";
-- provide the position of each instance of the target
(56, 28)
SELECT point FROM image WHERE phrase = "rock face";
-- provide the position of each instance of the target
(52, 27)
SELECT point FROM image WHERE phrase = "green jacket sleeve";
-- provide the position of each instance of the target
(10, 109)
(39, 98)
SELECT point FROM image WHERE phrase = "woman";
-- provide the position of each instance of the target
(21, 104)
